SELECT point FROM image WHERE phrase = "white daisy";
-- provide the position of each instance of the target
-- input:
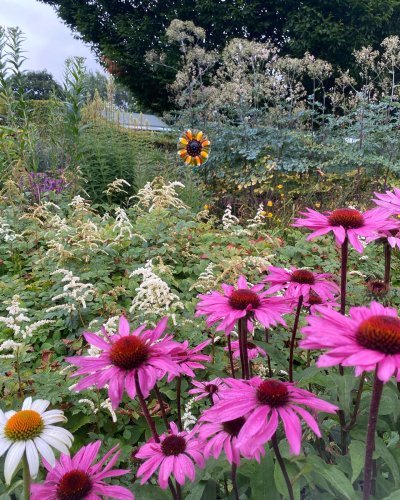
(30, 430)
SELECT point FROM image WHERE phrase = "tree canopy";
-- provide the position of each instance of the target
(37, 85)
(123, 31)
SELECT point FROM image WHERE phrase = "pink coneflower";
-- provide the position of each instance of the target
(314, 300)
(80, 478)
(222, 436)
(177, 453)
(206, 389)
(253, 350)
(300, 282)
(368, 338)
(188, 359)
(391, 235)
(239, 303)
(389, 200)
(263, 403)
(126, 358)
(344, 222)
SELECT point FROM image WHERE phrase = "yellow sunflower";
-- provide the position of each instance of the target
(193, 147)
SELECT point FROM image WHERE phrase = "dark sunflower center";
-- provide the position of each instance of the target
(380, 333)
(74, 485)
(194, 148)
(314, 299)
(303, 277)
(273, 393)
(233, 427)
(173, 445)
(129, 352)
(349, 218)
(211, 388)
(242, 298)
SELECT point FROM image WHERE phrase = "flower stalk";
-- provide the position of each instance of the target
(370, 446)
(281, 463)
(343, 274)
(388, 258)
(231, 357)
(293, 338)
(243, 347)
(26, 478)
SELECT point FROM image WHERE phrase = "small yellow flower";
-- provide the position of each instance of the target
(279, 186)
(282, 195)
(206, 207)
(263, 214)
(269, 215)
(317, 204)
(269, 203)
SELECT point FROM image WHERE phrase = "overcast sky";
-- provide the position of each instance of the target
(48, 41)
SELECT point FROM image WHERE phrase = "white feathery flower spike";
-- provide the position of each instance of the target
(31, 432)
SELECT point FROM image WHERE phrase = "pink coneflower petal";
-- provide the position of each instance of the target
(80, 477)
(262, 403)
(301, 282)
(240, 302)
(345, 222)
(125, 355)
(369, 338)
(175, 455)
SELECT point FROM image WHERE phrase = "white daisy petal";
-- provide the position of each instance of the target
(13, 458)
(40, 405)
(55, 443)
(45, 450)
(9, 414)
(26, 405)
(53, 416)
(59, 433)
(3, 418)
(33, 458)
(4, 445)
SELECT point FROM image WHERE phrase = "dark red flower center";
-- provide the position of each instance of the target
(302, 276)
(74, 485)
(211, 388)
(233, 427)
(194, 148)
(377, 287)
(173, 445)
(349, 218)
(314, 299)
(380, 333)
(242, 298)
(273, 393)
(129, 352)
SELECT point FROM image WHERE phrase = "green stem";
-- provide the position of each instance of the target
(26, 478)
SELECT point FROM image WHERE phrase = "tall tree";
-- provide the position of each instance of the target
(123, 31)
(37, 85)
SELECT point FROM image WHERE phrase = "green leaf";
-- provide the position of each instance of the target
(393, 496)
(357, 452)
(263, 486)
(334, 477)
(150, 492)
(383, 452)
